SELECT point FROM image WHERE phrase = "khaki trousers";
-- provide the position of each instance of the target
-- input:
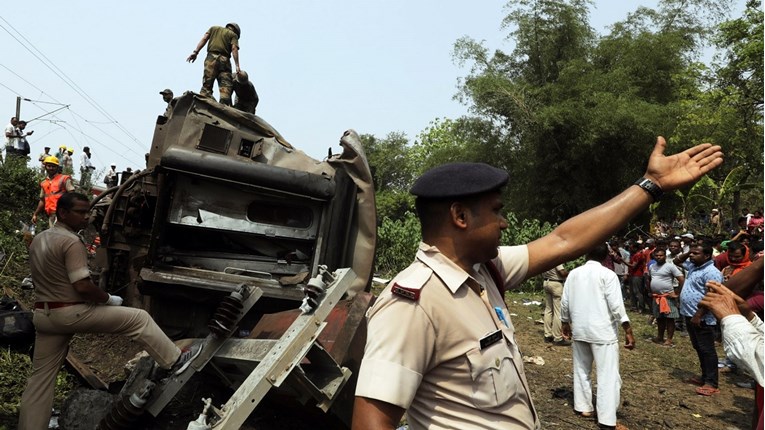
(55, 328)
(553, 292)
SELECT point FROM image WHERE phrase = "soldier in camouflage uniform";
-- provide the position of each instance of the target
(224, 43)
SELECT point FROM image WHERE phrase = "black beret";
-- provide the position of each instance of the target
(458, 180)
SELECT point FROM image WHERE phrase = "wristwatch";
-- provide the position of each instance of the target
(650, 187)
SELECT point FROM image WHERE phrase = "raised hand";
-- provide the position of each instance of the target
(675, 171)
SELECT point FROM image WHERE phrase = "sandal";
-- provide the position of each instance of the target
(669, 344)
(589, 414)
(695, 380)
(706, 390)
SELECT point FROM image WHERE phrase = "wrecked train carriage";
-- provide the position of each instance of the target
(226, 200)
(225, 203)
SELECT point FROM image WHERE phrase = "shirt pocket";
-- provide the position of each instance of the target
(495, 380)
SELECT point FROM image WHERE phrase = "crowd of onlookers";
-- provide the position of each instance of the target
(680, 280)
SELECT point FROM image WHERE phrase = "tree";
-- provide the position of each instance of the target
(578, 115)
(452, 140)
(391, 169)
(727, 109)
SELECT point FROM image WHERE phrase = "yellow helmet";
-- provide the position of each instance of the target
(50, 160)
(70, 149)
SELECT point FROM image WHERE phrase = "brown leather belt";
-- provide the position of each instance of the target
(55, 305)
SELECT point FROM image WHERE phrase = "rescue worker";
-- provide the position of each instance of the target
(68, 302)
(224, 43)
(51, 189)
(167, 97)
(68, 162)
(246, 97)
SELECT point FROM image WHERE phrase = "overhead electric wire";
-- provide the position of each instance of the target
(61, 75)
(78, 128)
(61, 121)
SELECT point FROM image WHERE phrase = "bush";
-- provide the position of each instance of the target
(520, 232)
(396, 244)
(20, 189)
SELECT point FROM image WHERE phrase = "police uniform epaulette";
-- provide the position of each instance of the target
(408, 284)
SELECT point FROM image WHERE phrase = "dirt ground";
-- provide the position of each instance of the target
(653, 393)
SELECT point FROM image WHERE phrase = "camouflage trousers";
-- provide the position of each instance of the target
(218, 67)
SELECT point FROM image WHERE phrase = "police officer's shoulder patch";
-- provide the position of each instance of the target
(409, 283)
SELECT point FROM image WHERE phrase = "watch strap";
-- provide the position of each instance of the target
(650, 187)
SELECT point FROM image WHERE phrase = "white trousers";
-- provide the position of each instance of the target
(609, 382)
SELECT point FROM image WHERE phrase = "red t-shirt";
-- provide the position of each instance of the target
(721, 261)
(638, 261)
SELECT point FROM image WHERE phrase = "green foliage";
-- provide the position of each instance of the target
(573, 116)
(20, 190)
(393, 205)
(576, 115)
(19, 187)
(14, 369)
(521, 231)
(397, 241)
(463, 139)
(388, 159)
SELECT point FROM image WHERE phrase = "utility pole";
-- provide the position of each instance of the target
(18, 108)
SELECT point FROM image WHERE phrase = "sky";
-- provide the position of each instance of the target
(320, 67)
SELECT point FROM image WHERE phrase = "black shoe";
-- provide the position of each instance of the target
(562, 342)
(549, 339)
(188, 354)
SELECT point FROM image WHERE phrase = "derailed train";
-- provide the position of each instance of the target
(223, 236)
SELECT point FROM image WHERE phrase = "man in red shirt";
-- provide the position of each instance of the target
(635, 272)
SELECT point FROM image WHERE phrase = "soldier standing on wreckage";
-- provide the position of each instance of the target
(223, 44)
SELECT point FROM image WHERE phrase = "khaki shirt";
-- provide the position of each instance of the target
(554, 274)
(424, 352)
(58, 258)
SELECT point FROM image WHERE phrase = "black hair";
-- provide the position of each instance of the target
(706, 247)
(66, 201)
(598, 253)
(734, 246)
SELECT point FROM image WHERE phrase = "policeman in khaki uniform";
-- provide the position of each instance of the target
(440, 343)
(553, 285)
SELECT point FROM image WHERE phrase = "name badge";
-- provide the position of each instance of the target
(490, 339)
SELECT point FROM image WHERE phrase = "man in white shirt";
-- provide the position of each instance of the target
(86, 166)
(592, 303)
(111, 176)
(11, 136)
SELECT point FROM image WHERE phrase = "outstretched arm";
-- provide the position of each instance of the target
(199, 47)
(235, 56)
(579, 234)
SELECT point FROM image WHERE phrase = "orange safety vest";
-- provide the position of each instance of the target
(53, 189)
